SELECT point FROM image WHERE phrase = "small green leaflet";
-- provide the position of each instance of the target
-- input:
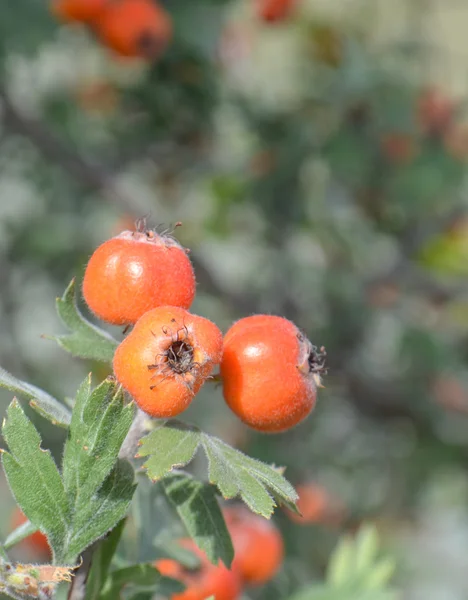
(45, 404)
(85, 340)
(198, 508)
(174, 444)
(356, 571)
(95, 489)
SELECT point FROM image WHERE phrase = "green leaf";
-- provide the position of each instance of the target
(261, 487)
(109, 506)
(98, 489)
(143, 575)
(342, 563)
(43, 402)
(355, 565)
(20, 533)
(380, 575)
(101, 562)
(99, 425)
(172, 444)
(367, 547)
(85, 340)
(3, 554)
(56, 414)
(34, 478)
(197, 506)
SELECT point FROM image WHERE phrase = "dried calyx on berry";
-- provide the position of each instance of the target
(177, 357)
(166, 358)
(312, 361)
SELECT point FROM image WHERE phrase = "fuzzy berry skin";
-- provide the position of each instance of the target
(36, 541)
(135, 272)
(80, 11)
(269, 373)
(206, 581)
(258, 545)
(135, 28)
(166, 358)
(273, 11)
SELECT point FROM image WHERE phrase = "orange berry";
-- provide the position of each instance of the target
(258, 545)
(135, 272)
(166, 358)
(274, 10)
(206, 581)
(36, 541)
(435, 111)
(316, 505)
(135, 28)
(270, 372)
(82, 11)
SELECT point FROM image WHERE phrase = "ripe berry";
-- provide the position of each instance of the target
(274, 10)
(166, 358)
(206, 581)
(435, 111)
(258, 545)
(317, 505)
(83, 11)
(270, 372)
(36, 541)
(135, 28)
(135, 272)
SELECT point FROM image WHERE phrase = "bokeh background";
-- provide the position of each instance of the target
(319, 167)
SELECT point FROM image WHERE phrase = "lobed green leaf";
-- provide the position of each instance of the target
(108, 506)
(261, 486)
(34, 478)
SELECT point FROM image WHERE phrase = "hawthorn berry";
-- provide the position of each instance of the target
(258, 545)
(270, 372)
(435, 111)
(272, 11)
(317, 505)
(82, 11)
(36, 541)
(205, 581)
(166, 358)
(134, 272)
(135, 28)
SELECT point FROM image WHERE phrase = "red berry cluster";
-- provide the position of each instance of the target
(130, 28)
(269, 370)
